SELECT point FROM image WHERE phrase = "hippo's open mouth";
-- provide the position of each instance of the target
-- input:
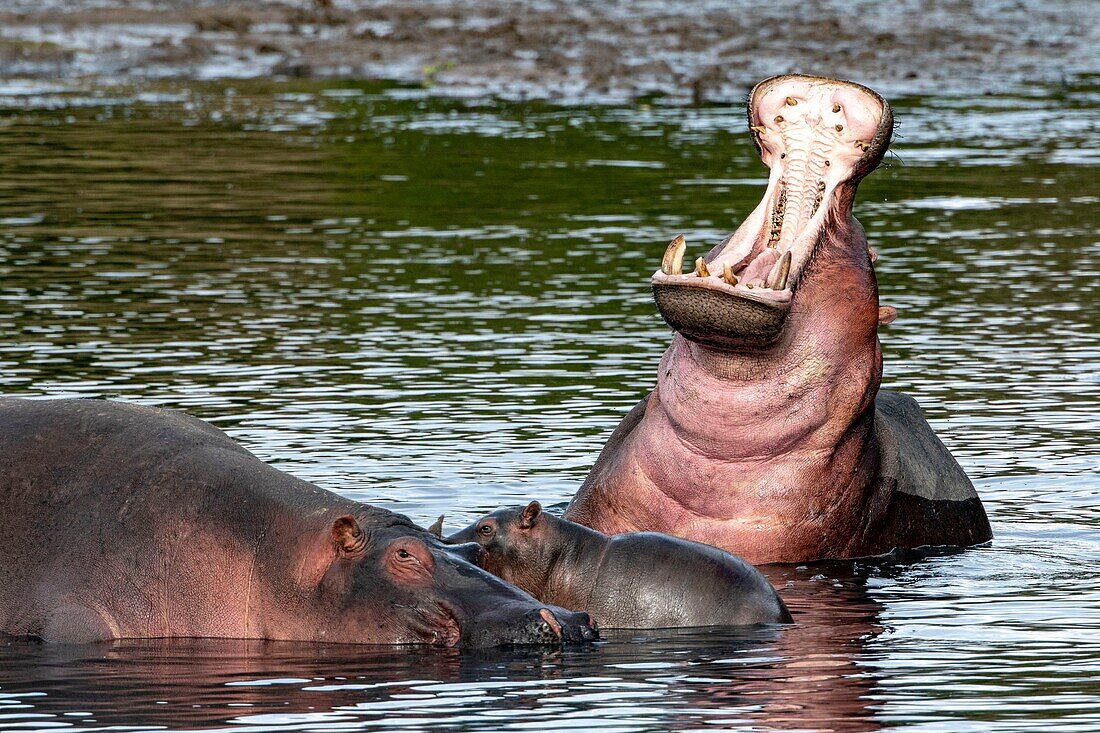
(816, 135)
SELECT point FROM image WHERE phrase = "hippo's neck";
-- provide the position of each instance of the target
(572, 562)
(741, 408)
(746, 447)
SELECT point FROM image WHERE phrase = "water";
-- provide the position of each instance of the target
(443, 306)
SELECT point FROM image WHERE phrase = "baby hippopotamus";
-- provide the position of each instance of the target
(641, 580)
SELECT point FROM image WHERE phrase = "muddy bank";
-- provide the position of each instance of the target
(701, 50)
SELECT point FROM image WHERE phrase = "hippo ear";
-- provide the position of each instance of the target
(347, 535)
(530, 515)
(437, 527)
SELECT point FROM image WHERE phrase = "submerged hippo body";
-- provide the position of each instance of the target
(767, 434)
(128, 522)
(641, 580)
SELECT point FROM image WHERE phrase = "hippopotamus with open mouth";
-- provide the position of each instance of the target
(128, 522)
(767, 434)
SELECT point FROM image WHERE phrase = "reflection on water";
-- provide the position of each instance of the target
(443, 307)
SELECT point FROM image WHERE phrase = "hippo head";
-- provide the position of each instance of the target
(800, 245)
(512, 541)
(388, 581)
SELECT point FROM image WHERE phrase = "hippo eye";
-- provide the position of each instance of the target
(485, 529)
(403, 554)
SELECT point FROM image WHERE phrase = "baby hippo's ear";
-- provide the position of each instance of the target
(348, 536)
(530, 515)
(437, 527)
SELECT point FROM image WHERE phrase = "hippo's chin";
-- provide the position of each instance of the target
(819, 137)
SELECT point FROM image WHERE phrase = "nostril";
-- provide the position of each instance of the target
(583, 619)
(551, 621)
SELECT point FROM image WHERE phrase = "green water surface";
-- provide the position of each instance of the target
(443, 306)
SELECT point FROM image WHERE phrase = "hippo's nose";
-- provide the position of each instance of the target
(544, 628)
(551, 621)
(471, 552)
(587, 627)
(578, 627)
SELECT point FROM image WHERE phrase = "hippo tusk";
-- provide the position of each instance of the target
(673, 262)
(777, 278)
(727, 274)
(437, 527)
(887, 314)
(701, 268)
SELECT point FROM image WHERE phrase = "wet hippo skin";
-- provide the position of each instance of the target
(628, 581)
(767, 434)
(129, 522)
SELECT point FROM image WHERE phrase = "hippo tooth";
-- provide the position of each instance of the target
(777, 278)
(673, 262)
(887, 314)
(874, 255)
(727, 274)
(701, 268)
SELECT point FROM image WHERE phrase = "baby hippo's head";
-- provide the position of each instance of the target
(518, 542)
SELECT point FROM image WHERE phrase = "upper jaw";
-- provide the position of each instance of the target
(817, 136)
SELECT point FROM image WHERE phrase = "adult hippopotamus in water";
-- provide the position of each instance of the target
(128, 522)
(767, 434)
(641, 580)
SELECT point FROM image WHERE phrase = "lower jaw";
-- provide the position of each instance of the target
(718, 320)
